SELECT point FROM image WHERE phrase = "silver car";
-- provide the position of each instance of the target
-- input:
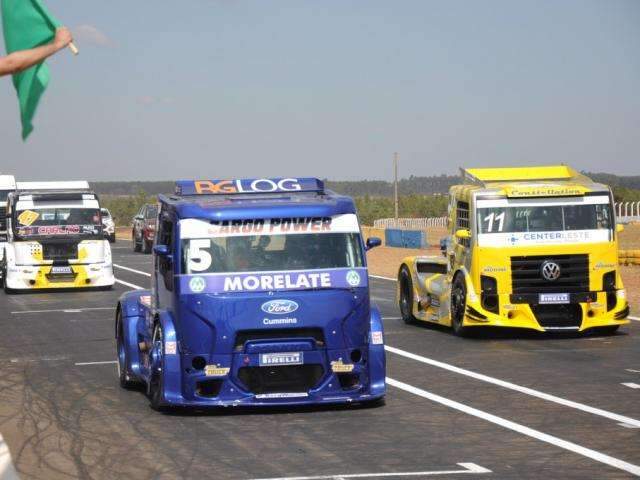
(108, 225)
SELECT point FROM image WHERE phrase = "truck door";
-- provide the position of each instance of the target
(460, 254)
(164, 267)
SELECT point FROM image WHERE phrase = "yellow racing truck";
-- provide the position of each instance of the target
(533, 248)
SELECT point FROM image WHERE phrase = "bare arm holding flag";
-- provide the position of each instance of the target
(18, 61)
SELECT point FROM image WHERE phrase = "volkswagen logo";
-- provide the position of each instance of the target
(279, 307)
(550, 270)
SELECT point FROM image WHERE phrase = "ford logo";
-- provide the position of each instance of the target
(279, 307)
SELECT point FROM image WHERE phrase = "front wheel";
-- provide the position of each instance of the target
(125, 379)
(458, 306)
(156, 378)
(606, 331)
(136, 246)
(406, 296)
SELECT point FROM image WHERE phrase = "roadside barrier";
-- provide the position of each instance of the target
(394, 237)
(629, 257)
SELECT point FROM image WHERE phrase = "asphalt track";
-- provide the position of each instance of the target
(507, 406)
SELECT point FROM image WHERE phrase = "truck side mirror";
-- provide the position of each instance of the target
(373, 242)
(619, 228)
(161, 250)
(463, 233)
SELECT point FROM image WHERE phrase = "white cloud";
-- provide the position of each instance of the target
(90, 34)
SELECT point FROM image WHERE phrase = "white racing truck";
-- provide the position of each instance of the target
(55, 238)
(7, 185)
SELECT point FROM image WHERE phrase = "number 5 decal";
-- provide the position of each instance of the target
(199, 257)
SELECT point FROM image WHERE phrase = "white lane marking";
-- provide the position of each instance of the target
(65, 310)
(130, 285)
(516, 427)
(632, 370)
(383, 278)
(518, 388)
(391, 318)
(634, 318)
(7, 470)
(468, 468)
(96, 363)
(380, 299)
(627, 426)
(132, 270)
(631, 385)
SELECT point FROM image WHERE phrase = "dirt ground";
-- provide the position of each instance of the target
(384, 261)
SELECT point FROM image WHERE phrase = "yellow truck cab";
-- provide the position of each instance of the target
(533, 247)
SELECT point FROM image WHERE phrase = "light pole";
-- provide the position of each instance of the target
(395, 185)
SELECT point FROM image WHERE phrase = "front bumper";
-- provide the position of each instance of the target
(33, 277)
(516, 312)
(229, 387)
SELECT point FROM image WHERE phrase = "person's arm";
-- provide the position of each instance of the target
(16, 62)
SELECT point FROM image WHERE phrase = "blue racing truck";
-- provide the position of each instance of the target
(259, 296)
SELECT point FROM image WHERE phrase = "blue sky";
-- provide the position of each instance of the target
(331, 88)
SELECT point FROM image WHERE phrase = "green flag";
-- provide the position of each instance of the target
(27, 24)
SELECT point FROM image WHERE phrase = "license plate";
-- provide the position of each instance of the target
(554, 298)
(61, 270)
(284, 358)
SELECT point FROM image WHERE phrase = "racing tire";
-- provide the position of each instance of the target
(156, 377)
(458, 306)
(112, 238)
(121, 351)
(147, 246)
(405, 302)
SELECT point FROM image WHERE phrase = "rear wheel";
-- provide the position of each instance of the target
(458, 306)
(406, 296)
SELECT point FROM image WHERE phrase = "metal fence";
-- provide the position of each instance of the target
(627, 212)
(411, 223)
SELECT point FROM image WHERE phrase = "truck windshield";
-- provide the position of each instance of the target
(57, 221)
(591, 215)
(267, 252)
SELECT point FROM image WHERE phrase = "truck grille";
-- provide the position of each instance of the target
(526, 274)
(283, 379)
(558, 316)
(60, 251)
(3, 219)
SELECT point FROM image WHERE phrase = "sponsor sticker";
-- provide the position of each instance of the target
(340, 367)
(197, 284)
(216, 371)
(279, 321)
(279, 307)
(145, 300)
(61, 270)
(170, 348)
(376, 338)
(274, 281)
(28, 217)
(554, 298)
(281, 358)
(283, 395)
(353, 278)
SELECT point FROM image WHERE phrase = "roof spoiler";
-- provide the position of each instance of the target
(520, 174)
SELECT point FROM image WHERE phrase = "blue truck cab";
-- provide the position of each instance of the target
(259, 296)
